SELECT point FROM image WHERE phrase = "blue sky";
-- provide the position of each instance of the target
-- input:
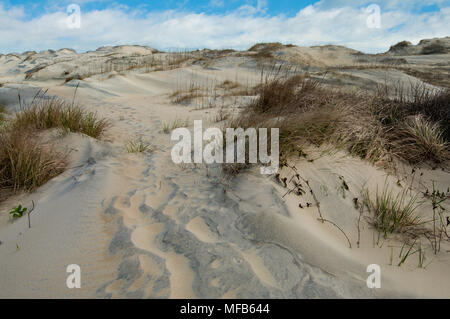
(274, 7)
(38, 25)
(286, 7)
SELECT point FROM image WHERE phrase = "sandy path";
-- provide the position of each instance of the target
(182, 232)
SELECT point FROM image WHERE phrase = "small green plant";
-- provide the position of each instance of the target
(169, 126)
(137, 146)
(18, 211)
(407, 253)
(56, 112)
(391, 213)
(437, 199)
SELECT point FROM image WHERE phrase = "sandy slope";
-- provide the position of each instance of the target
(141, 226)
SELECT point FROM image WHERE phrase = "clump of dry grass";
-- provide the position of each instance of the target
(436, 76)
(418, 99)
(303, 110)
(25, 163)
(233, 169)
(391, 213)
(137, 146)
(413, 123)
(282, 94)
(57, 113)
(187, 96)
(167, 127)
(265, 50)
(410, 125)
(221, 115)
(229, 85)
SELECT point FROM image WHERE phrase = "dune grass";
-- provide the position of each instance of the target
(393, 124)
(221, 115)
(391, 213)
(169, 126)
(265, 50)
(57, 113)
(26, 162)
(229, 85)
(420, 139)
(187, 96)
(137, 146)
(411, 125)
(2, 114)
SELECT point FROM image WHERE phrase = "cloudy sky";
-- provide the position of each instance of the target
(369, 26)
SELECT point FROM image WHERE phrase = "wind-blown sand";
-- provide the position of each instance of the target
(140, 226)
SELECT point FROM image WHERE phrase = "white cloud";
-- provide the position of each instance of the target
(317, 24)
(261, 7)
(216, 3)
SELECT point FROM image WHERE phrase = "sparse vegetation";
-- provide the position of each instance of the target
(265, 50)
(436, 76)
(229, 85)
(233, 169)
(437, 199)
(18, 211)
(158, 61)
(187, 96)
(57, 113)
(404, 256)
(390, 213)
(421, 140)
(400, 47)
(137, 146)
(409, 125)
(393, 124)
(167, 127)
(26, 162)
(221, 115)
(434, 48)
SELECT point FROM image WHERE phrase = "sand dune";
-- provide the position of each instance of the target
(141, 226)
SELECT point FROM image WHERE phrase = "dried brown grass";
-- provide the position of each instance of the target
(57, 113)
(26, 161)
(411, 125)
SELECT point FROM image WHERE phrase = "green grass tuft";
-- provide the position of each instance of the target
(167, 127)
(391, 213)
(137, 146)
